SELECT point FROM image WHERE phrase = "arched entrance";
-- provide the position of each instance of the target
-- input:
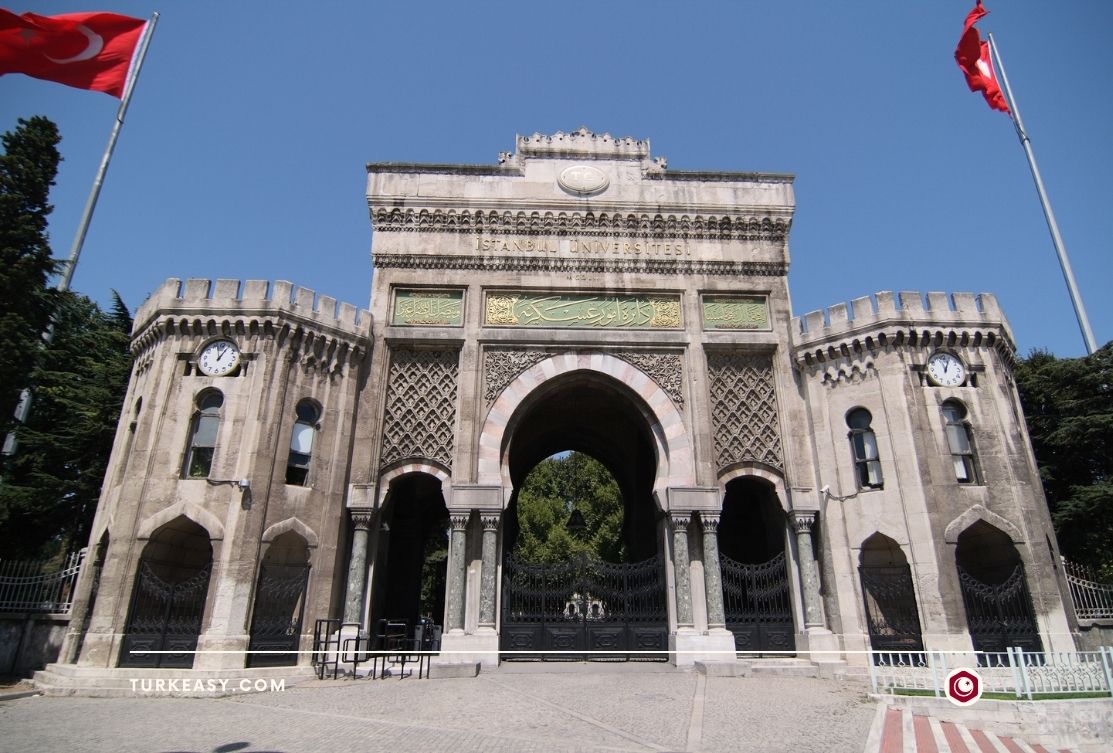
(890, 599)
(995, 593)
(587, 606)
(756, 599)
(411, 553)
(168, 598)
(279, 602)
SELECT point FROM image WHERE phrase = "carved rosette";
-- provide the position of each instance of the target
(419, 420)
(744, 409)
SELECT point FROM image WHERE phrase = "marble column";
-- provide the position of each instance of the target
(487, 586)
(802, 521)
(712, 573)
(357, 565)
(457, 564)
(680, 568)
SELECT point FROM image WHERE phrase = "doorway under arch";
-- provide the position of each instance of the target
(757, 601)
(889, 595)
(586, 606)
(168, 598)
(279, 603)
(999, 611)
(411, 553)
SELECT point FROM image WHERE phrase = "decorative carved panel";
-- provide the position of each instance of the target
(744, 409)
(664, 368)
(420, 416)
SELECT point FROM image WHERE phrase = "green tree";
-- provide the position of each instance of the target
(1068, 403)
(27, 170)
(53, 482)
(549, 493)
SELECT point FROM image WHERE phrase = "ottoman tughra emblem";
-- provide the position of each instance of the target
(583, 179)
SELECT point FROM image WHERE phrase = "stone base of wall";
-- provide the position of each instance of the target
(29, 642)
(1093, 634)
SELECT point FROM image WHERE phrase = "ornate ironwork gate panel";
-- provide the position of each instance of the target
(758, 605)
(1000, 616)
(164, 617)
(566, 609)
(894, 622)
(276, 619)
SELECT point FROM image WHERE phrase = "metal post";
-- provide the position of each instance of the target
(1064, 262)
(1107, 666)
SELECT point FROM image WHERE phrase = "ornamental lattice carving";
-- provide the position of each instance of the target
(501, 367)
(663, 368)
(744, 409)
(420, 416)
(493, 222)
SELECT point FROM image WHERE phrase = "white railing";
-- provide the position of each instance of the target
(1016, 672)
(24, 587)
(1092, 600)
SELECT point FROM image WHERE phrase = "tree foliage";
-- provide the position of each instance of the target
(27, 170)
(550, 492)
(52, 484)
(1068, 403)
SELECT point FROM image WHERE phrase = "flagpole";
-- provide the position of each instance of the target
(1060, 249)
(23, 408)
(94, 194)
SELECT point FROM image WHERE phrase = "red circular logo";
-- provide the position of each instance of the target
(964, 687)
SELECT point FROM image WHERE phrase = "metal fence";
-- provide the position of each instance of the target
(1092, 600)
(25, 587)
(1015, 672)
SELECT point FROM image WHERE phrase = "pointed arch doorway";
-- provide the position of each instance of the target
(607, 601)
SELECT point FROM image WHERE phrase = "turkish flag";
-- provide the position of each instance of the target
(86, 50)
(972, 56)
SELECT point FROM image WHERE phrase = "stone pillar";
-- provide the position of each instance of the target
(680, 567)
(488, 584)
(712, 573)
(457, 565)
(802, 521)
(357, 565)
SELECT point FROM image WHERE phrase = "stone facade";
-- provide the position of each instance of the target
(576, 295)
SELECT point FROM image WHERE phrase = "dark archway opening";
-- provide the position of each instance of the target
(168, 598)
(756, 598)
(279, 603)
(995, 593)
(412, 553)
(607, 600)
(890, 598)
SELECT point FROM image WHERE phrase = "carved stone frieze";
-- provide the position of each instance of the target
(744, 409)
(558, 264)
(419, 420)
(643, 225)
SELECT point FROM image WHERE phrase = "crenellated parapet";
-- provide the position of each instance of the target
(892, 320)
(314, 328)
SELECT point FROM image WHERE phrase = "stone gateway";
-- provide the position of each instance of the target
(857, 478)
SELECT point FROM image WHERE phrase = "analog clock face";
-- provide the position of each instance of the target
(946, 370)
(219, 357)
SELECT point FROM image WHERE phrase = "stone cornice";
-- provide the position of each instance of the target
(582, 144)
(567, 264)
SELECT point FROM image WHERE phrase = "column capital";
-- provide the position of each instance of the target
(362, 519)
(680, 520)
(490, 520)
(803, 520)
(709, 521)
(459, 520)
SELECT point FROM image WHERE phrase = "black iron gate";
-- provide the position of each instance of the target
(758, 606)
(1001, 615)
(164, 616)
(276, 619)
(894, 622)
(584, 608)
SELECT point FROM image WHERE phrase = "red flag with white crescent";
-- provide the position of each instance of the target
(86, 50)
(972, 56)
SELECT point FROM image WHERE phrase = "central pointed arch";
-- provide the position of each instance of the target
(672, 446)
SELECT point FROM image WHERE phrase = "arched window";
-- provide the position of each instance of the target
(958, 440)
(202, 435)
(863, 443)
(301, 443)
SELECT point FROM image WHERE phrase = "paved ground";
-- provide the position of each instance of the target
(580, 708)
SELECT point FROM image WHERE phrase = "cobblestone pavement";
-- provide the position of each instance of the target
(586, 708)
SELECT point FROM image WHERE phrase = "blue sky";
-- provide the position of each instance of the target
(244, 150)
